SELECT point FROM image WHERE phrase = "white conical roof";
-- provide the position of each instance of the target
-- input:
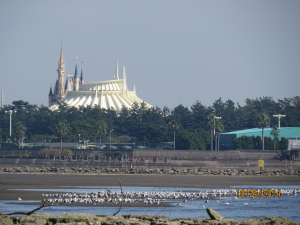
(104, 94)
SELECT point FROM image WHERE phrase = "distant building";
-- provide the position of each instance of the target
(290, 133)
(112, 94)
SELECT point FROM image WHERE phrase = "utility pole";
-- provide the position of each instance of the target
(10, 113)
(279, 116)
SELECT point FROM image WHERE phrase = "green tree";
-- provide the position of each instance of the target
(275, 133)
(62, 129)
(284, 143)
(20, 131)
(263, 121)
(101, 128)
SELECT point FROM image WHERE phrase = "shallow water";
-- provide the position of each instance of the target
(285, 206)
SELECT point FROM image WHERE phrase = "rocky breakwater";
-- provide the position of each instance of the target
(87, 219)
(170, 171)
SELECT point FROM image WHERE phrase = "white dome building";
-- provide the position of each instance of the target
(112, 94)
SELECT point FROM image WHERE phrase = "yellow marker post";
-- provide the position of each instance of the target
(261, 163)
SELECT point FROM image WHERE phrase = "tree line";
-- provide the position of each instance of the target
(193, 128)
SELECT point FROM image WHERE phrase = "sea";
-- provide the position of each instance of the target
(238, 209)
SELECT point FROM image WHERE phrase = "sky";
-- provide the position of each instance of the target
(175, 52)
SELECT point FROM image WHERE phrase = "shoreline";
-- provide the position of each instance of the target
(66, 181)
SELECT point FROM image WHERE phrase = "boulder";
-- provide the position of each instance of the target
(214, 215)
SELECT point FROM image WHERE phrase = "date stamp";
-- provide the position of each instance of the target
(257, 193)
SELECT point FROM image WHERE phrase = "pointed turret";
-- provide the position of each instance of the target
(81, 81)
(75, 74)
(50, 96)
(116, 70)
(61, 76)
(61, 61)
(50, 92)
(76, 78)
(124, 79)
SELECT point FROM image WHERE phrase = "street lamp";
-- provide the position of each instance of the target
(10, 113)
(218, 118)
(279, 116)
(110, 138)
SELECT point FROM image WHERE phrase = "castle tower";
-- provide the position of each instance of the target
(81, 81)
(61, 77)
(50, 96)
(76, 78)
(59, 88)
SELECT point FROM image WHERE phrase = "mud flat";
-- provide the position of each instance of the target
(61, 180)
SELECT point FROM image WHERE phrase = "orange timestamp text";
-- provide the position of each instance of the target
(252, 193)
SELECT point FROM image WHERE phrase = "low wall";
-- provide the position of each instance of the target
(171, 154)
(192, 154)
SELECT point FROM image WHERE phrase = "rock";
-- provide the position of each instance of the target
(214, 215)
(5, 220)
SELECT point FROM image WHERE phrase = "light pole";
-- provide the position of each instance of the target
(279, 116)
(10, 113)
(110, 138)
(218, 118)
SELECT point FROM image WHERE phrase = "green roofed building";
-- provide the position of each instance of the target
(290, 133)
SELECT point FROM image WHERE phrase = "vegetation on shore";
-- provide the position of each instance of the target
(143, 125)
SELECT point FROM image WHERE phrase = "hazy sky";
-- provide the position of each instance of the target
(175, 52)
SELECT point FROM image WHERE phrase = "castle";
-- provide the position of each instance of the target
(61, 88)
(112, 94)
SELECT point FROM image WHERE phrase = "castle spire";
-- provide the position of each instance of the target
(75, 74)
(81, 75)
(61, 61)
(50, 92)
(76, 78)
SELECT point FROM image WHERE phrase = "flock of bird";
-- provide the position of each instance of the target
(156, 197)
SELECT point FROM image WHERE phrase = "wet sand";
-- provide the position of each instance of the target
(50, 181)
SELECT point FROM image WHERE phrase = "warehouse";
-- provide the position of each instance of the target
(290, 133)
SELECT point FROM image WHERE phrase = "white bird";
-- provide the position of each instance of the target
(19, 199)
(226, 203)
(246, 203)
(203, 207)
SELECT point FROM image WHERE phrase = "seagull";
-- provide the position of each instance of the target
(203, 207)
(246, 203)
(226, 203)
(19, 199)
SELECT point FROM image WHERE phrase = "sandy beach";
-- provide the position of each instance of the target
(54, 181)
